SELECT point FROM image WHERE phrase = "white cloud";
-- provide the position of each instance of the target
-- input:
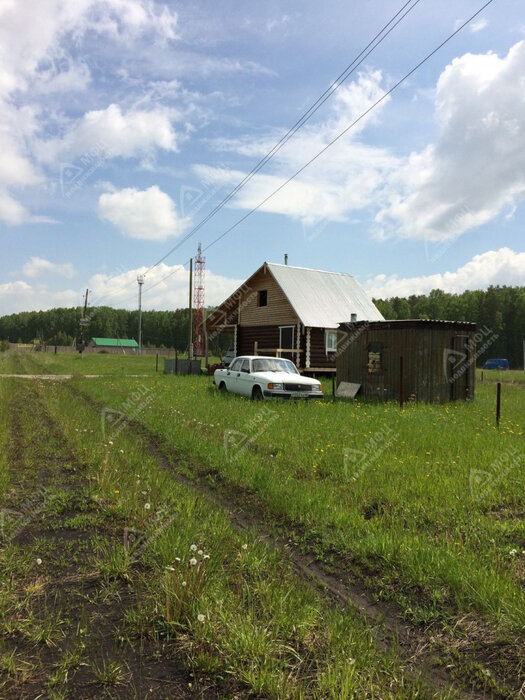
(478, 25)
(145, 214)
(111, 133)
(495, 267)
(21, 296)
(34, 62)
(345, 178)
(166, 287)
(476, 169)
(37, 266)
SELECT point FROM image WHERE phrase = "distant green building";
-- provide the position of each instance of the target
(113, 344)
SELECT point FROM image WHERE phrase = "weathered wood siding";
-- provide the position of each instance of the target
(277, 312)
(266, 336)
(438, 363)
(318, 355)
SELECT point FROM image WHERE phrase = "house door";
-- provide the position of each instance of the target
(286, 340)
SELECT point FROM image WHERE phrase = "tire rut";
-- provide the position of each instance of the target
(247, 513)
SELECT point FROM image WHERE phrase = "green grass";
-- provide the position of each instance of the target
(242, 614)
(425, 505)
(431, 500)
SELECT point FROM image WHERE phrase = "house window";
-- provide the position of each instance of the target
(262, 297)
(331, 341)
(374, 358)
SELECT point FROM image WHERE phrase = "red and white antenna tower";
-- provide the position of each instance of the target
(198, 303)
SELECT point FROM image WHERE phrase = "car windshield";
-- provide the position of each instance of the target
(274, 364)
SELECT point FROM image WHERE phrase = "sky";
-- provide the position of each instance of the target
(123, 123)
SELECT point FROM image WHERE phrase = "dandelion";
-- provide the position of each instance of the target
(245, 546)
(116, 491)
(207, 556)
(200, 552)
(513, 552)
(193, 547)
(110, 442)
(169, 568)
(177, 558)
(201, 618)
(147, 506)
(121, 452)
(193, 561)
(184, 584)
(39, 561)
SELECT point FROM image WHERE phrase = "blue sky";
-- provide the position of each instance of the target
(124, 122)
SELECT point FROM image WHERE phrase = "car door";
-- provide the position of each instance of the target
(233, 374)
(245, 379)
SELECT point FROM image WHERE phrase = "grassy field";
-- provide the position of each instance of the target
(417, 516)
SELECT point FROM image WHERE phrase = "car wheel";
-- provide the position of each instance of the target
(222, 387)
(257, 393)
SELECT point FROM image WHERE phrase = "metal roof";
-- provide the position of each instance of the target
(116, 342)
(324, 299)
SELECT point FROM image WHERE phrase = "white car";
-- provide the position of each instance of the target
(263, 377)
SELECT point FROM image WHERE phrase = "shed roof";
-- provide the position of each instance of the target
(324, 299)
(116, 342)
(398, 324)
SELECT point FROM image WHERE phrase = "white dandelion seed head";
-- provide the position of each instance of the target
(200, 552)
(193, 561)
(193, 547)
(184, 584)
(110, 442)
(207, 556)
(147, 506)
(39, 561)
(245, 546)
(177, 558)
(201, 618)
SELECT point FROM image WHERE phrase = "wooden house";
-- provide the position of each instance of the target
(421, 360)
(292, 312)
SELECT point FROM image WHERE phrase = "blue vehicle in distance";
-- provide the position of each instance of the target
(496, 364)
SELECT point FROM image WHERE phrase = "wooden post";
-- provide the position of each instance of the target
(157, 362)
(255, 347)
(401, 388)
(333, 387)
(498, 403)
(481, 375)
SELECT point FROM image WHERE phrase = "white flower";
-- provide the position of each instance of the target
(193, 547)
(144, 493)
(110, 442)
(39, 561)
(177, 558)
(245, 546)
(207, 556)
(169, 568)
(201, 618)
(147, 506)
(513, 552)
(184, 584)
(121, 452)
(193, 561)
(200, 552)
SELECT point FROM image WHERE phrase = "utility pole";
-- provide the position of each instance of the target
(83, 324)
(140, 280)
(190, 324)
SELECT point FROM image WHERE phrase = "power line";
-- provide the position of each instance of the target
(335, 85)
(339, 136)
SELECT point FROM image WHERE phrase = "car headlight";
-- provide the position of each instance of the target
(318, 387)
(273, 385)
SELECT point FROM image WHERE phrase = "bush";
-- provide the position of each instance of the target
(4, 345)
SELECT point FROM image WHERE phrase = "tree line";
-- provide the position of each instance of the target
(501, 309)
